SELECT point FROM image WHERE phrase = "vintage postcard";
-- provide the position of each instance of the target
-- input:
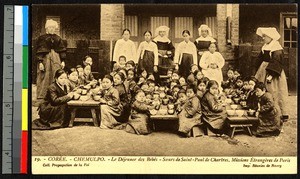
(164, 88)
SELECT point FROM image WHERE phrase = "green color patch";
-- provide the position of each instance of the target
(25, 68)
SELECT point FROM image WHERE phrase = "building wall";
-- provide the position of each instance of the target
(254, 16)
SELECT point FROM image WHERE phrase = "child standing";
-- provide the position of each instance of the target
(213, 114)
(191, 112)
(212, 63)
(139, 121)
(269, 120)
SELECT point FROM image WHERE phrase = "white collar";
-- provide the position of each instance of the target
(207, 38)
(272, 46)
(161, 39)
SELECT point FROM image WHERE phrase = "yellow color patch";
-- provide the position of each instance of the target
(24, 109)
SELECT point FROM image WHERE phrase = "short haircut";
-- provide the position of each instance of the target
(211, 83)
(192, 87)
(260, 85)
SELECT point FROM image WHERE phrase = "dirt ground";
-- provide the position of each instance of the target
(93, 141)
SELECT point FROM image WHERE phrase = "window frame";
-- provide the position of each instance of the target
(282, 16)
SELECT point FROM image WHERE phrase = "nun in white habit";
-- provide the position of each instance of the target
(165, 47)
(271, 70)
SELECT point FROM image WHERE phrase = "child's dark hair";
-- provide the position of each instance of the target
(137, 92)
(131, 62)
(126, 30)
(86, 57)
(260, 85)
(186, 32)
(109, 77)
(239, 78)
(149, 81)
(192, 87)
(131, 71)
(214, 44)
(250, 78)
(211, 83)
(71, 70)
(58, 73)
(122, 56)
(203, 80)
(176, 86)
(79, 66)
(181, 91)
(122, 76)
(147, 31)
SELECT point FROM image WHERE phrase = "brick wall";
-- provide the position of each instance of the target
(112, 21)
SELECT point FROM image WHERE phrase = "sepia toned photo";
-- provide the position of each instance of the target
(168, 84)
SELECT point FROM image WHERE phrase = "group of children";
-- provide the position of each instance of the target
(128, 97)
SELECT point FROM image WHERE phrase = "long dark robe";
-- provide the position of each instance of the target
(147, 63)
(50, 51)
(201, 46)
(165, 62)
(269, 121)
(252, 100)
(139, 121)
(213, 113)
(185, 65)
(190, 115)
(53, 111)
(273, 65)
(124, 100)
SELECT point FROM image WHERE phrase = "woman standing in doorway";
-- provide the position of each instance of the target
(50, 54)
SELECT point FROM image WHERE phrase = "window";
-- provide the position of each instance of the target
(212, 23)
(158, 21)
(289, 30)
(131, 23)
(58, 31)
(181, 24)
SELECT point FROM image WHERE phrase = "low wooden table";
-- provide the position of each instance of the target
(89, 104)
(163, 115)
(240, 123)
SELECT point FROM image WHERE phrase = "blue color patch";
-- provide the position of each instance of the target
(25, 25)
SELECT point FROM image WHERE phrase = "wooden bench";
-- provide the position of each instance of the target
(241, 123)
(91, 105)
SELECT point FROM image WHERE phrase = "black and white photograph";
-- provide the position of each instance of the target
(164, 80)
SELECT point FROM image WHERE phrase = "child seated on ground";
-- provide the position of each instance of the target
(139, 121)
(182, 83)
(130, 84)
(212, 110)
(230, 82)
(87, 61)
(252, 99)
(116, 69)
(122, 62)
(191, 112)
(175, 75)
(130, 65)
(238, 86)
(201, 87)
(174, 94)
(269, 120)
(80, 74)
(88, 76)
(73, 82)
(191, 78)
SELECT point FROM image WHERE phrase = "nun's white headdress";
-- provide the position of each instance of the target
(269, 31)
(204, 27)
(51, 22)
(162, 28)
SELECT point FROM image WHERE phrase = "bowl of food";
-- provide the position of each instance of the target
(165, 101)
(76, 96)
(84, 98)
(230, 112)
(251, 112)
(240, 113)
(87, 87)
(228, 101)
(153, 112)
(236, 100)
(243, 103)
(171, 106)
(233, 106)
(83, 91)
(78, 91)
(171, 111)
(229, 96)
(96, 97)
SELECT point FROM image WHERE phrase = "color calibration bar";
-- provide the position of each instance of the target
(20, 115)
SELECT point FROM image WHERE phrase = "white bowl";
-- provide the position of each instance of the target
(153, 112)
(233, 106)
(230, 112)
(240, 113)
